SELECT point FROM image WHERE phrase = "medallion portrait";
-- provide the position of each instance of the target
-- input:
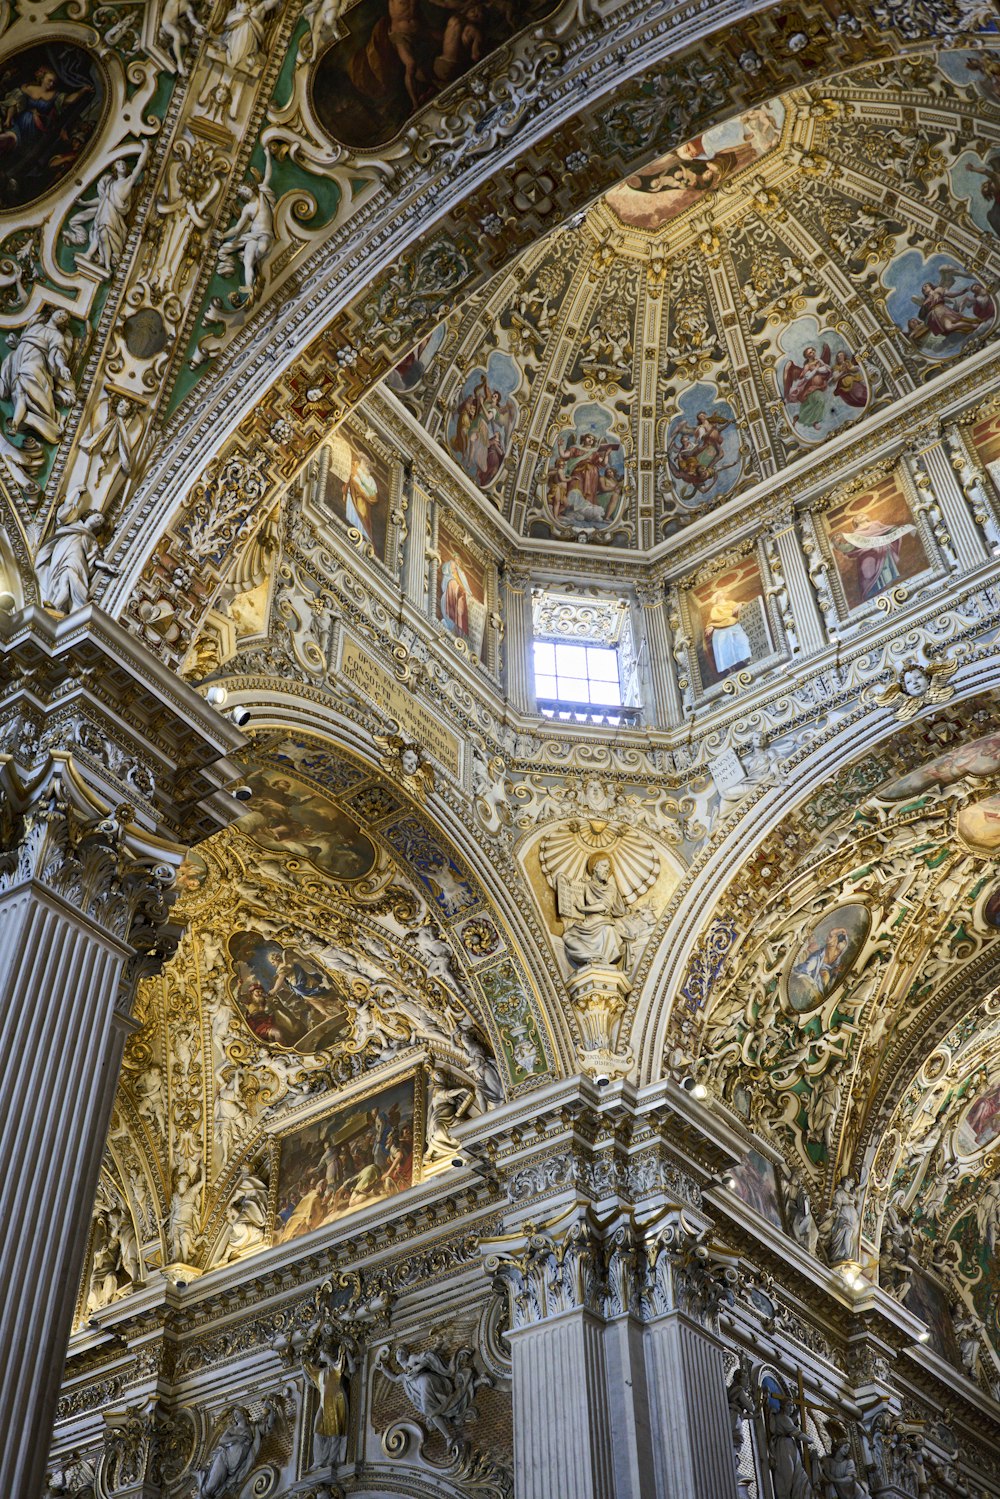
(285, 997)
(875, 542)
(730, 622)
(821, 379)
(357, 490)
(825, 956)
(979, 1125)
(399, 55)
(52, 100)
(361, 1154)
(649, 199)
(978, 825)
(289, 817)
(461, 594)
(939, 304)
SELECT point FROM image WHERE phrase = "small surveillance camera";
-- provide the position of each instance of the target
(239, 716)
(602, 1079)
(458, 1160)
(243, 793)
(687, 1083)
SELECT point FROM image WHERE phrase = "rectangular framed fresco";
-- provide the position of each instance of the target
(463, 593)
(928, 1300)
(874, 542)
(985, 439)
(357, 482)
(756, 1182)
(730, 628)
(369, 1148)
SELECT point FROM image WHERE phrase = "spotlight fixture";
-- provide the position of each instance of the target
(602, 1079)
(216, 695)
(924, 1337)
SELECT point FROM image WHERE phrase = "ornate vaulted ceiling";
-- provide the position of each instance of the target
(775, 285)
(854, 1022)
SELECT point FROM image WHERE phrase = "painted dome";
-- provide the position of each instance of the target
(774, 285)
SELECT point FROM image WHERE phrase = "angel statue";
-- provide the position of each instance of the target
(232, 1455)
(442, 1391)
(594, 892)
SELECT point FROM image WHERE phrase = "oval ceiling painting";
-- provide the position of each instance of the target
(396, 58)
(289, 817)
(52, 100)
(979, 825)
(979, 1126)
(825, 956)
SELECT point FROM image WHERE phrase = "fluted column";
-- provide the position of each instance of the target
(618, 1379)
(795, 576)
(108, 767)
(667, 708)
(938, 485)
(415, 558)
(518, 631)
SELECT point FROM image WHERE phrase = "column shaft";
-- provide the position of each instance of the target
(667, 707)
(692, 1432)
(562, 1419)
(415, 559)
(801, 595)
(520, 672)
(61, 1051)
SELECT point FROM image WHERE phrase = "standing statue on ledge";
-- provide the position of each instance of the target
(328, 1360)
(843, 1221)
(67, 562)
(35, 374)
(785, 1443)
(102, 226)
(838, 1475)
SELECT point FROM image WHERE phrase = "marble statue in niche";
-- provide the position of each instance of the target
(598, 889)
(329, 1358)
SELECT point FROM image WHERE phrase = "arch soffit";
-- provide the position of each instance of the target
(686, 923)
(294, 712)
(446, 240)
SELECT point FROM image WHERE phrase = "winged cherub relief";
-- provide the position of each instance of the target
(599, 871)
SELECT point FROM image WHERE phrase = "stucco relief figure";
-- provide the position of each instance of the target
(171, 30)
(234, 1452)
(35, 375)
(67, 562)
(593, 911)
(183, 1222)
(102, 225)
(785, 1443)
(246, 1219)
(443, 1392)
(251, 239)
(843, 1221)
(597, 890)
(243, 31)
(328, 1362)
(446, 1106)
